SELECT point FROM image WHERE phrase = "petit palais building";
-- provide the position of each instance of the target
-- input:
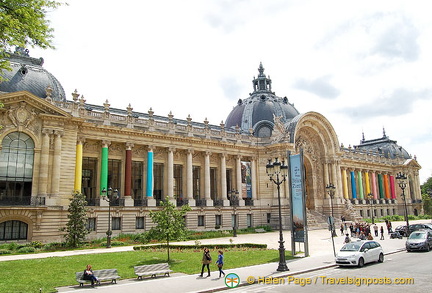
(53, 144)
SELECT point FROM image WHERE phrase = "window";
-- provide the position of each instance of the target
(200, 220)
(158, 181)
(137, 175)
(116, 223)
(178, 181)
(114, 174)
(249, 220)
(88, 180)
(16, 168)
(13, 230)
(213, 183)
(229, 180)
(361, 213)
(218, 220)
(139, 224)
(196, 181)
(268, 218)
(91, 224)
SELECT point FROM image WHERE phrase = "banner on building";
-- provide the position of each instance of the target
(246, 178)
(298, 204)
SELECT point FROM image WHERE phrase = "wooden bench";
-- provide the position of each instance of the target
(152, 270)
(260, 230)
(101, 275)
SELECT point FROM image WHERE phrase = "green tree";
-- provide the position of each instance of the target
(170, 223)
(76, 229)
(23, 23)
(426, 190)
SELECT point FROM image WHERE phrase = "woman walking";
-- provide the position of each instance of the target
(220, 263)
(206, 260)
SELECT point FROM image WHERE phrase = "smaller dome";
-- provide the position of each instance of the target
(27, 74)
(258, 111)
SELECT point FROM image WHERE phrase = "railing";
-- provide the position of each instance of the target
(140, 202)
(234, 202)
(218, 202)
(93, 201)
(15, 201)
(200, 202)
(248, 202)
(182, 202)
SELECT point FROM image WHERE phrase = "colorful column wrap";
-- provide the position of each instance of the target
(149, 188)
(104, 169)
(78, 167)
(380, 186)
(345, 183)
(367, 182)
(353, 185)
(392, 187)
(374, 186)
(360, 184)
(386, 186)
(128, 172)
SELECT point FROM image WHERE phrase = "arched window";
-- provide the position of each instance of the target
(13, 230)
(16, 169)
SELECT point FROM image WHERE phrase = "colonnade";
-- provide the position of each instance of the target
(222, 193)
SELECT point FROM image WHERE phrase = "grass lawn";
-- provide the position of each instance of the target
(28, 276)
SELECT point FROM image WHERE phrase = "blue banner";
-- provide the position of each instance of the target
(297, 200)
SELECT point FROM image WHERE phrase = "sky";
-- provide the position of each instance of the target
(365, 65)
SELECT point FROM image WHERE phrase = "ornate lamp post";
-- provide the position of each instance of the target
(281, 172)
(234, 202)
(112, 196)
(370, 198)
(331, 191)
(401, 178)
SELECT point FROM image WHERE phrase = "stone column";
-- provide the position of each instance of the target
(189, 178)
(43, 173)
(255, 179)
(78, 165)
(170, 173)
(55, 176)
(224, 180)
(239, 181)
(207, 176)
(129, 201)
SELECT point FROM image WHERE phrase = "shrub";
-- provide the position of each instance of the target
(11, 246)
(53, 246)
(5, 251)
(27, 249)
(36, 244)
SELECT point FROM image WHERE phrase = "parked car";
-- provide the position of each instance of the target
(416, 227)
(402, 230)
(419, 240)
(359, 252)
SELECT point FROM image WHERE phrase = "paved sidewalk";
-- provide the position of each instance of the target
(320, 248)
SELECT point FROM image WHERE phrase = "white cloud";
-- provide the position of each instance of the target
(339, 58)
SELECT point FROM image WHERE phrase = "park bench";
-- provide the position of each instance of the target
(152, 270)
(260, 230)
(101, 275)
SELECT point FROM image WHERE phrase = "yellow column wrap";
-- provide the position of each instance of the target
(368, 189)
(345, 183)
(78, 167)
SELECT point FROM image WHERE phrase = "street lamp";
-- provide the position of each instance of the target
(331, 191)
(234, 201)
(370, 198)
(112, 196)
(277, 169)
(401, 178)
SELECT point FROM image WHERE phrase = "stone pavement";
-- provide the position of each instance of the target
(320, 249)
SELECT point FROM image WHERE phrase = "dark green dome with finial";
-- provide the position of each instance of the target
(256, 113)
(27, 74)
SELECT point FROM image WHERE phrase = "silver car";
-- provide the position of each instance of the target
(359, 252)
(419, 240)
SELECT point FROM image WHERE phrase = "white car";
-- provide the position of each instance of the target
(357, 253)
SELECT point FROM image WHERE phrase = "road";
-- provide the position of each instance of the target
(413, 269)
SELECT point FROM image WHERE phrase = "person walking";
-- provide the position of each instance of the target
(220, 263)
(376, 230)
(206, 260)
(382, 233)
(342, 229)
(88, 275)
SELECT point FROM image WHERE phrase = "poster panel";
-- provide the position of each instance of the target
(297, 200)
